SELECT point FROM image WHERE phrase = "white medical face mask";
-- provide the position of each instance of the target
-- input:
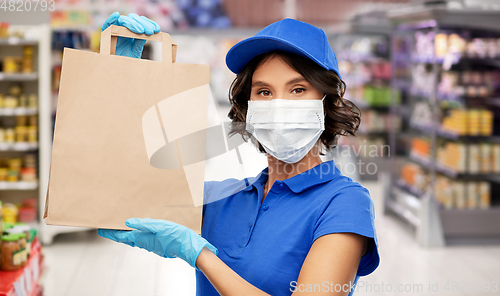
(287, 129)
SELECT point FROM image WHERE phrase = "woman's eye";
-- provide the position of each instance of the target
(265, 93)
(298, 90)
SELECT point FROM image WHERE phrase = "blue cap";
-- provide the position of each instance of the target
(286, 35)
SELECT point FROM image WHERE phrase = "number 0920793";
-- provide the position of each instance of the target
(27, 5)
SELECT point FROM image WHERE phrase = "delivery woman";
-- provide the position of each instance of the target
(300, 227)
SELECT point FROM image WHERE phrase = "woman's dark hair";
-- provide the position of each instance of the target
(342, 117)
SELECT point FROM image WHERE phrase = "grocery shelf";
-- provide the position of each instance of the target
(459, 98)
(467, 138)
(425, 60)
(21, 185)
(453, 136)
(419, 77)
(410, 189)
(427, 128)
(405, 205)
(19, 111)
(19, 146)
(17, 41)
(421, 160)
(367, 73)
(429, 17)
(25, 280)
(38, 83)
(450, 173)
(18, 77)
(471, 222)
(455, 60)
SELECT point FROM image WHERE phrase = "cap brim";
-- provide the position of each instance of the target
(244, 51)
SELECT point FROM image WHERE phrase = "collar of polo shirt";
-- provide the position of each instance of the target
(319, 174)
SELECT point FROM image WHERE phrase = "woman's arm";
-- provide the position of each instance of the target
(333, 258)
(223, 278)
(331, 265)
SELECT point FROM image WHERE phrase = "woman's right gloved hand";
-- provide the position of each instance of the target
(131, 47)
(162, 237)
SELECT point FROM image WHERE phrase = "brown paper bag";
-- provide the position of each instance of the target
(123, 132)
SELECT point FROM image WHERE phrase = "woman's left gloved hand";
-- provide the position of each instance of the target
(164, 238)
(131, 47)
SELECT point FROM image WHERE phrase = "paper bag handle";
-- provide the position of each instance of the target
(109, 37)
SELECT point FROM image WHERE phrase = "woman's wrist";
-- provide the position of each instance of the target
(203, 258)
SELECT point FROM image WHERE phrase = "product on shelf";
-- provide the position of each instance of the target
(380, 96)
(462, 195)
(486, 158)
(472, 122)
(444, 191)
(22, 132)
(474, 163)
(453, 155)
(3, 174)
(468, 83)
(423, 80)
(442, 45)
(15, 89)
(11, 64)
(15, 169)
(472, 195)
(421, 115)
(357, 48)
(421, 147)
(27, 214)
(10, 213)
(413, 175)
(484, 195)
(22, 247)
(21, 236)
(482, 158)
(4, 29)
(15, 64)
(17, 98)
(374, 121)
(11, 252)
(1, 221)
(424, 45)
(27, 62)
(16, 246)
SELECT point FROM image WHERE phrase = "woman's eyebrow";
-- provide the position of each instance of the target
(259, 83)
(293, 81)
(296, 80)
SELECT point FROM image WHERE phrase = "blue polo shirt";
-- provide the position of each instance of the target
(267, 244)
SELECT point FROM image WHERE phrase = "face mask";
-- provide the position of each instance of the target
(287, 129)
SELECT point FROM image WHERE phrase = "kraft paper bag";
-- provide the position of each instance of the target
(129, 138)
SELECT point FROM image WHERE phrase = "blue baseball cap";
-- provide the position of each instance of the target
(287, 35)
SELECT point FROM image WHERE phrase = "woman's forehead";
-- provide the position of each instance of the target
(275, 69)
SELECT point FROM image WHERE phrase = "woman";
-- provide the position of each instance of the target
(300, 226)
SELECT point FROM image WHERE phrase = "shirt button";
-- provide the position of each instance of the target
(265, 207)
(281, 186)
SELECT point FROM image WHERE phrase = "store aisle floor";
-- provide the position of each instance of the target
(86, 264)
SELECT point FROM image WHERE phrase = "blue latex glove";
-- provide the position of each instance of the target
(131, 47)
(164, 238)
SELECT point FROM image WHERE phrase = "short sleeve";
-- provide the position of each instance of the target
(351, 210)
